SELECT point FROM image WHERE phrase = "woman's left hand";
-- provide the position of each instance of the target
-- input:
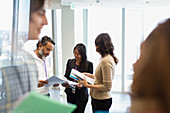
(83, 82)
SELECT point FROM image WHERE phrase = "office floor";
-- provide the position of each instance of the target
(120, 101)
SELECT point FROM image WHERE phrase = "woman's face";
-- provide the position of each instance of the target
(38, 20)
(77, 55)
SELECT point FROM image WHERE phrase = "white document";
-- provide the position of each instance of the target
(55, 80)
(71, 82)
(76, 73)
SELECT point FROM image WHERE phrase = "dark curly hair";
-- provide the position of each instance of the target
(105, 46)
(44, 41)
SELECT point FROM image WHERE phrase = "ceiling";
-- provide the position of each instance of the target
(117, 3)
(108, 3)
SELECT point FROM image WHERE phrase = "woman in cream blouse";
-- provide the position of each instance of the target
(104, 73)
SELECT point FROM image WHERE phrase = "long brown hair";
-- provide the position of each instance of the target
(105, 46)
(152, 75)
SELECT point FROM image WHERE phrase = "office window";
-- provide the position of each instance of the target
(5, 35)
(6, 32)
(78, 20)
(59, 45)
(13, 32)
(152, 16)
(133, 38)
(139, 23)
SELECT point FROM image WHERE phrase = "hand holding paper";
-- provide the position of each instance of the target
(80, 76)
(84, 82)
(89, 75)
(41, 83)
(54, 80)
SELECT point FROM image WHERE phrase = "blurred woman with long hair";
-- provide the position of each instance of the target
(151, 82)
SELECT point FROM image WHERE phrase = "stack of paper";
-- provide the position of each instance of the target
(55, 80)
(77, 74)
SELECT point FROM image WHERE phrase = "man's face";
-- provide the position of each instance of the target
(38, 20)
(45, 50)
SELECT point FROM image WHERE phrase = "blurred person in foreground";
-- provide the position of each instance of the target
(151, 81)
(22, 77)
(104, 73)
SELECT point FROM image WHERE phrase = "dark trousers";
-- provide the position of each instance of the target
(81, 104)
(101, 105)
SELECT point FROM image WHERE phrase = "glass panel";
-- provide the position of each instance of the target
(105, 20)
(139, 22)
(133, 36)
(59, 49)
(78, 12)
(21, 29)
(15, 19)
(5, 32)
(152, 16)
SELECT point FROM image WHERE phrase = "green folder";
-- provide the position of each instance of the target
(38, 103)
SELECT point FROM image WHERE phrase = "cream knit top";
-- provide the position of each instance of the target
(103, 76)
